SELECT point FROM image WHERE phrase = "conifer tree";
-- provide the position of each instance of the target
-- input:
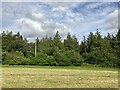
(57, 41)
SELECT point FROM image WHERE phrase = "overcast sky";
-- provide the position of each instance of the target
(38, 19)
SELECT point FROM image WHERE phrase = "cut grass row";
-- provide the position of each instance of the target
(84, 67)
(59, 77)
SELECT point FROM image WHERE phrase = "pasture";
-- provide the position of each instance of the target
(58, 77)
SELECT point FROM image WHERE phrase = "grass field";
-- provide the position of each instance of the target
(59, 77)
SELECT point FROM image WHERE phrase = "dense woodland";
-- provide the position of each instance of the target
(51, 51)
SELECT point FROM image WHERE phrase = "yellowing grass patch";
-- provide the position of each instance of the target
(58, 78)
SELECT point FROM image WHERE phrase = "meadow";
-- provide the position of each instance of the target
(58, 77)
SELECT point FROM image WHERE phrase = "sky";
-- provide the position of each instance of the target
(38, 19)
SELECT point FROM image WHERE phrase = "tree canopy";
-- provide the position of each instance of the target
(51, 51)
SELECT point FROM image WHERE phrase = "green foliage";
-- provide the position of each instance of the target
(68, 58)
(60, 58)
(46, 46)
(14, 42)
(16, 58)
(93, 58)
(118, 43)
(100, 51)
(40, 59)
(71, 43)
(51, 51)
(51, 61)
(74, 57)
(57, 41)
(101, 59)
(83, 46)
(44, 60)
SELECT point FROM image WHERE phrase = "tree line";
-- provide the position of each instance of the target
(51, 51)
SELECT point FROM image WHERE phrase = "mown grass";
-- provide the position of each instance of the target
(83, 67)
(59, 77)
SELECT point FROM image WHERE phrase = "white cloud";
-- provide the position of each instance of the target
(36, 16)
(41, 19)
(93, 5)
(68, 16)
(30, 28)
(59, 9)
(36, 26)
(111, 22)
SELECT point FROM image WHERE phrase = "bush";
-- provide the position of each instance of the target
(51, 61)
(111, 60)
(59, 58)
(74, 57)
(14, 58)
(58, 55)
(93, 58)
(101, 59)
(67, 58)
(40, 59)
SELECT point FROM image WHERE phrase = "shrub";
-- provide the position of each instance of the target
(68, 58)
(14, 58)
(101, 59)
(93, 58)
(40, 59)
(75, 58)
(58, 55)
(51, 61)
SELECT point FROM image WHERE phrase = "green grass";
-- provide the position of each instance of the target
(83, 67)
(58, 77)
